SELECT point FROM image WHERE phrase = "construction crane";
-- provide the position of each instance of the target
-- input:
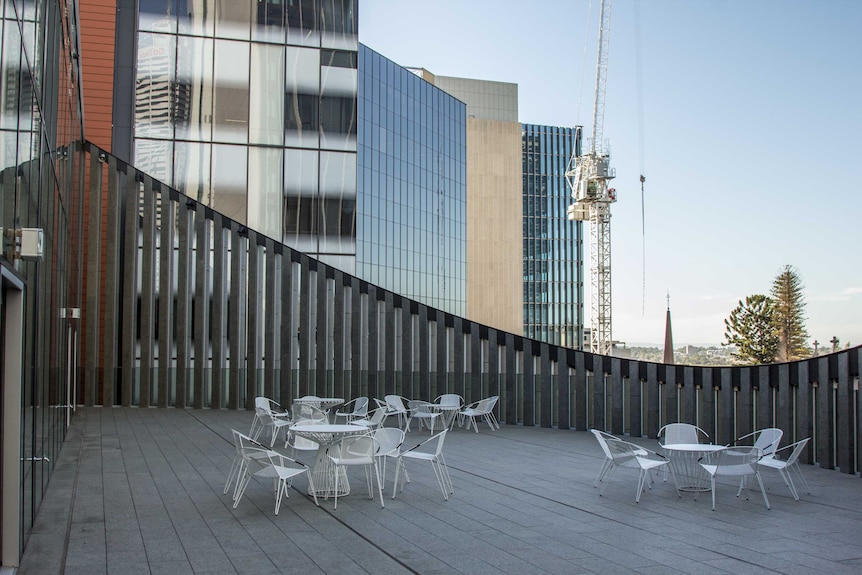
(588, 176)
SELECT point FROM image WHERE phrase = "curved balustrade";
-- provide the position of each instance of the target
(280, 324)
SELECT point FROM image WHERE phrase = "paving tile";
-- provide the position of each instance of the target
(143, 489)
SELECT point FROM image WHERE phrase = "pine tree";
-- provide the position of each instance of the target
(789, 315)
(751, 328)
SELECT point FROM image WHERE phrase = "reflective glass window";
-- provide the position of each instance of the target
(193, 100)
(192, 170)
(229, 189)
(233, 18)
(154, 86)
(231, 92)
(268, 21)
(157, 15)
(266, 94)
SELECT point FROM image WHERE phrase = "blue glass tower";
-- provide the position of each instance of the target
(553, 245)
(411, 188)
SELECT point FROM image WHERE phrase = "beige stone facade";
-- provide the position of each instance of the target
(495, 275)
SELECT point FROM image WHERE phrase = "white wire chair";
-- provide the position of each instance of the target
(482, 409)
(629, 455)
(268, 464)
(435, 458)
(766, 440)
(791, 463)
(357, 450)
(740, 461)
(424, 412)
(354, 409)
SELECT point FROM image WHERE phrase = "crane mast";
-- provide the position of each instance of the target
(588, 176)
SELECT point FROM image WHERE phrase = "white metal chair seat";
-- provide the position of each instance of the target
(766, 440)
(740, 461)
(268, 464)
(357, 450)
(262, 419)
(266, 417)
(625, 454)
(603, 437)
(482, 409)
(237, 466)
(424, 412)
(435, 458)
(353, 409)
(373, 420)
(785, 466)
(397, 405)
(389, 441)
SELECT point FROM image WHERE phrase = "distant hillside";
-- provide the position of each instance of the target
(686, 354)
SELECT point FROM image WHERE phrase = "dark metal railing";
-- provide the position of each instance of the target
(248, 316)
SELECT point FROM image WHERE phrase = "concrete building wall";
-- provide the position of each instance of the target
(494, 224)
(494, 200)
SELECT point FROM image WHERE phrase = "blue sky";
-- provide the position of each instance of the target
(744, 116)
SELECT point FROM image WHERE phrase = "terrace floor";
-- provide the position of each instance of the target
(140, 491)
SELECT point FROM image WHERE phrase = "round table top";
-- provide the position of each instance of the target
(692, 447)
(320, 401)
(328, 428)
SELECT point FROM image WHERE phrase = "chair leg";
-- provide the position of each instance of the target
(801, 477)
(379, 485)
(605, 466)
(762, 490)
(441, 481)
(712, 484)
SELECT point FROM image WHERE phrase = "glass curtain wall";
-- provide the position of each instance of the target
(412, 198)
(249, 106)
(40, 125)
(553, 245)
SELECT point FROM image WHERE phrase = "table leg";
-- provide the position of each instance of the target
(687, 472)
(324, 471)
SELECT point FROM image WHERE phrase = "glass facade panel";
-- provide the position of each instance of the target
(266, 94)
(40, 126)
(193, 102)
(231, 92)
(229, 181)
(251, 73)
(233, 18)
(411, 194)
(553, 245)
(265, 190)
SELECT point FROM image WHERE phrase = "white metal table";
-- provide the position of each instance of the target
(323, 471)
(687, 472)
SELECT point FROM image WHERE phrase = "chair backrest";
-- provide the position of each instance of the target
(395, 403)
(603, 438)
(377, 416)
(418, 406)
(360, 406)
(795, 450)
(440, 437)
(389, 439)
(768, 440)
(736, 460)
(308, 413)
(450, 399)
(487, 405)
(680, 433)
(358, 447)
(622, 452)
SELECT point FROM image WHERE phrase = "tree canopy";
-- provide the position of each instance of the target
(789, 315)
(751, 328)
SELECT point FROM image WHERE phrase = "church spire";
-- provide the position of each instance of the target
(668, 337)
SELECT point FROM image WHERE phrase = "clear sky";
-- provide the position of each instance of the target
(745, 117)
